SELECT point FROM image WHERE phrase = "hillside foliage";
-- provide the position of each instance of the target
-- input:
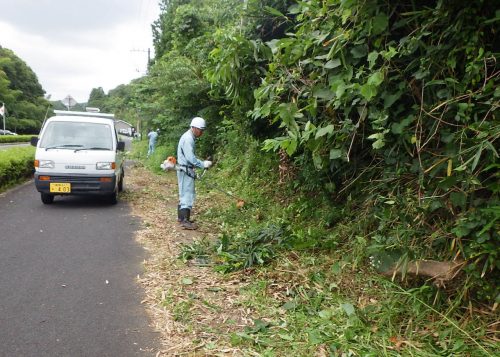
(387, 109)
(376, 110)
(362, 135)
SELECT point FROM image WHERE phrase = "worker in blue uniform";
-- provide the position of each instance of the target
(153, 136)
(187, 161)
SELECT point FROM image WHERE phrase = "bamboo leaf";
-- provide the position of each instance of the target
(334, 63)
(273, 11)
(477, 157)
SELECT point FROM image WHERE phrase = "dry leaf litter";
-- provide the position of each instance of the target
(190, 305)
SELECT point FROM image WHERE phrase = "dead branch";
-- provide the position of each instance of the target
(439, 272)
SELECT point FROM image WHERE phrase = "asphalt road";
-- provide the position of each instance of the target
(8, 146)
(67, 278)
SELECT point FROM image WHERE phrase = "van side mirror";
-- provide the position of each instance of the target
(34, 140)
(120, 146)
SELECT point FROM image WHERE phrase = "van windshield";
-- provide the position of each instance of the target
(77, 135)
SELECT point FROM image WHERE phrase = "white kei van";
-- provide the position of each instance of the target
(78, 153)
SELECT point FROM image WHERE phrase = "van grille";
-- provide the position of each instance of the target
(74, 178)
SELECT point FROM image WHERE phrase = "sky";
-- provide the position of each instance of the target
(74, 46)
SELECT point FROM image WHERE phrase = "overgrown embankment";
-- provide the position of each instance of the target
(362, 137)
(380, 121)
(274, 278)
(387, 115)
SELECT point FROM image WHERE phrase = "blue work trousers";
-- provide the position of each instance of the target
(187, 193)
(151, 148)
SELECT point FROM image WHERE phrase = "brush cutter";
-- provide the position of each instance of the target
(239, 202)
(171, 164)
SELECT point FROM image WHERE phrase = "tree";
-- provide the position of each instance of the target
(97, 98)
(20, 90)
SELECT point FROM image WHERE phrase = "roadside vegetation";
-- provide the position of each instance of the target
(360, 142)
(353, 205)
(247, 285)
(361, 139)
(16, 165)
(5, 139)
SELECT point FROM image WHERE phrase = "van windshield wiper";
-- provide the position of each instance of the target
(93, 148)
(62, 146)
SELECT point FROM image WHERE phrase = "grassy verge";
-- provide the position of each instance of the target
(15, 138)
(273, 277)
(312, 304)
(314, 292)
(16, 164)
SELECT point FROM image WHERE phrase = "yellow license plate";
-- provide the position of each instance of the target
(60, 187)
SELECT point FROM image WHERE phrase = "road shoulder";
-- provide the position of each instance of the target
(190, 305)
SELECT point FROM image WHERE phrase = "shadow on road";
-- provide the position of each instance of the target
(68, 202)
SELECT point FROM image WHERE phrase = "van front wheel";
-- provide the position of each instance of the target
(113, 198)
(120, 182)
(47, 199)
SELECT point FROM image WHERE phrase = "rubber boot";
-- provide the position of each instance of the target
(185, 223)
(189, 216)
(179, 217)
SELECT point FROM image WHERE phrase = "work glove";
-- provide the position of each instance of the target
(207, 164)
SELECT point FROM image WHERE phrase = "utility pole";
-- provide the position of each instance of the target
(149, 56)
(2, 111)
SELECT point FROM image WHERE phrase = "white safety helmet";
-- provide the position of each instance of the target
(199, 123)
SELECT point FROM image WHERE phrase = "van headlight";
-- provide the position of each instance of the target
(105, 166)
(46, 164)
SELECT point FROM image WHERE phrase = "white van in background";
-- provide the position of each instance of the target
(78, 153)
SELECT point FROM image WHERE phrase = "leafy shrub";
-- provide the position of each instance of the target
(391, 105)
(15, 138)
(478, 239)
(15, 164)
